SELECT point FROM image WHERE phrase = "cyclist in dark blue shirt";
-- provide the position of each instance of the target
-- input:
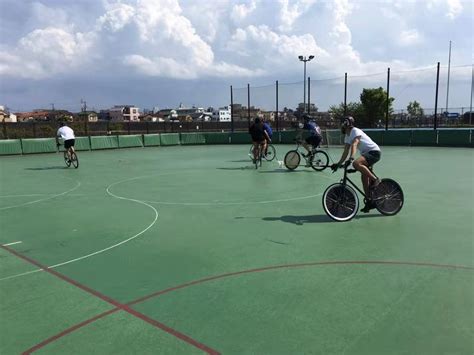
(315, 137)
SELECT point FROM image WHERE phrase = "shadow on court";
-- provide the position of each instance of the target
(286, 171)
(239, 168)
(321, 218)
(47, 168)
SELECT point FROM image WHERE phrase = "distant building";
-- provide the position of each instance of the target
(6, 116)
(124, 113)
(169, 114)
(222, 114)
(88, 116)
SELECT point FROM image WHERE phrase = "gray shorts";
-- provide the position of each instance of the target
(372, 157)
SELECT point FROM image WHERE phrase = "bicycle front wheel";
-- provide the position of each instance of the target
(292, 159)
(388, 197)
(340, 202)
(319, 160)
(271, 152)
(74, 160)
(66, 159)
(251, 152)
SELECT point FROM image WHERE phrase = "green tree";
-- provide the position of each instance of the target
(374, 102)
(354, 109)
(415, 110)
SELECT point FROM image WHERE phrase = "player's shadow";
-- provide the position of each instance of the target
(239, 168)
(48, 167)
(321, 218)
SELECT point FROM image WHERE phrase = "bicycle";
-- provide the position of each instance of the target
(341, 202)
(260, 155)
(74, 160)
(271, 153)
(317, 159)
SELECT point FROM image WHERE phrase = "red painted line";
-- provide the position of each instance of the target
(107, 299)
(216, 277)
(320, 263)
(69, 330)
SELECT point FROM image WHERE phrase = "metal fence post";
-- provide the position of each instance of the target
(436, 100)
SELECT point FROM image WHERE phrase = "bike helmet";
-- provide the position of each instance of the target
(347, 122)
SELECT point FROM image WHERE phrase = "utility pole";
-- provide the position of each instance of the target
(449, 71)
(304, 60)
(83, 105)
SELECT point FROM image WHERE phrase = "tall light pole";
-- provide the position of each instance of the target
(304, 60)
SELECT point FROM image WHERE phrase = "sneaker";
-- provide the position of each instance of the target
(368, 206)
(375, 183)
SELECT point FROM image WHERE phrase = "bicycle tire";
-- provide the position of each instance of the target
(74, 160)
(319, 160)
(271, 153)
(292, 159)
(66, 159)
(340, 202)
(388, 197)
(251, 152)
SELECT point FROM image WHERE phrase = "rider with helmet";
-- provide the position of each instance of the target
(355, 138)
(314, 139)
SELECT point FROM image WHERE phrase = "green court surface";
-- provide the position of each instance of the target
(187, 250)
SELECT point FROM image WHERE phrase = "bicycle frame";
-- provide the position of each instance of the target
(345, 179)
(299, 144)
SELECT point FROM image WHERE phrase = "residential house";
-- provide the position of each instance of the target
(6, 115)
(124, 113)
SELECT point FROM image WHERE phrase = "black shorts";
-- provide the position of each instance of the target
(372, 157)
(314, 140)
(69, 143)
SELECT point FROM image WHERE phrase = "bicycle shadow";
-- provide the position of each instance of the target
(48, 168)
(250, 167)
(286, 171)
(321, 218)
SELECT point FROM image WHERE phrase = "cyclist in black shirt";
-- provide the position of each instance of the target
(259, 137)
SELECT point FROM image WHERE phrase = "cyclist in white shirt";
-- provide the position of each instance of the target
(355, 138)
(66, 134)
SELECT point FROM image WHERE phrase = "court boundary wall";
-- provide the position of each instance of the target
(395, 137)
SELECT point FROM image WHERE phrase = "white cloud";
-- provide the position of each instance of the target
(454, 8)
(241, 11)
(289, 13)
(409, 37)
(46, 52)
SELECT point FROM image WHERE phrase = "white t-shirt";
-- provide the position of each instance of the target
(65, 133)
(366, 144)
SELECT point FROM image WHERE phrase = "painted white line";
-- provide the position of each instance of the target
(30, 195)
(232, 203)
(43, 199)
(5, 245)
(102, 250)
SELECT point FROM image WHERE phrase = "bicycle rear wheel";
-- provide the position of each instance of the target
(292, 159)
(388, 197)
(319, 160)
(340, 202)
(66, 159)
(74, 160)
(271, 152)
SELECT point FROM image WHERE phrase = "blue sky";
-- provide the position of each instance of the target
(160, 53)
